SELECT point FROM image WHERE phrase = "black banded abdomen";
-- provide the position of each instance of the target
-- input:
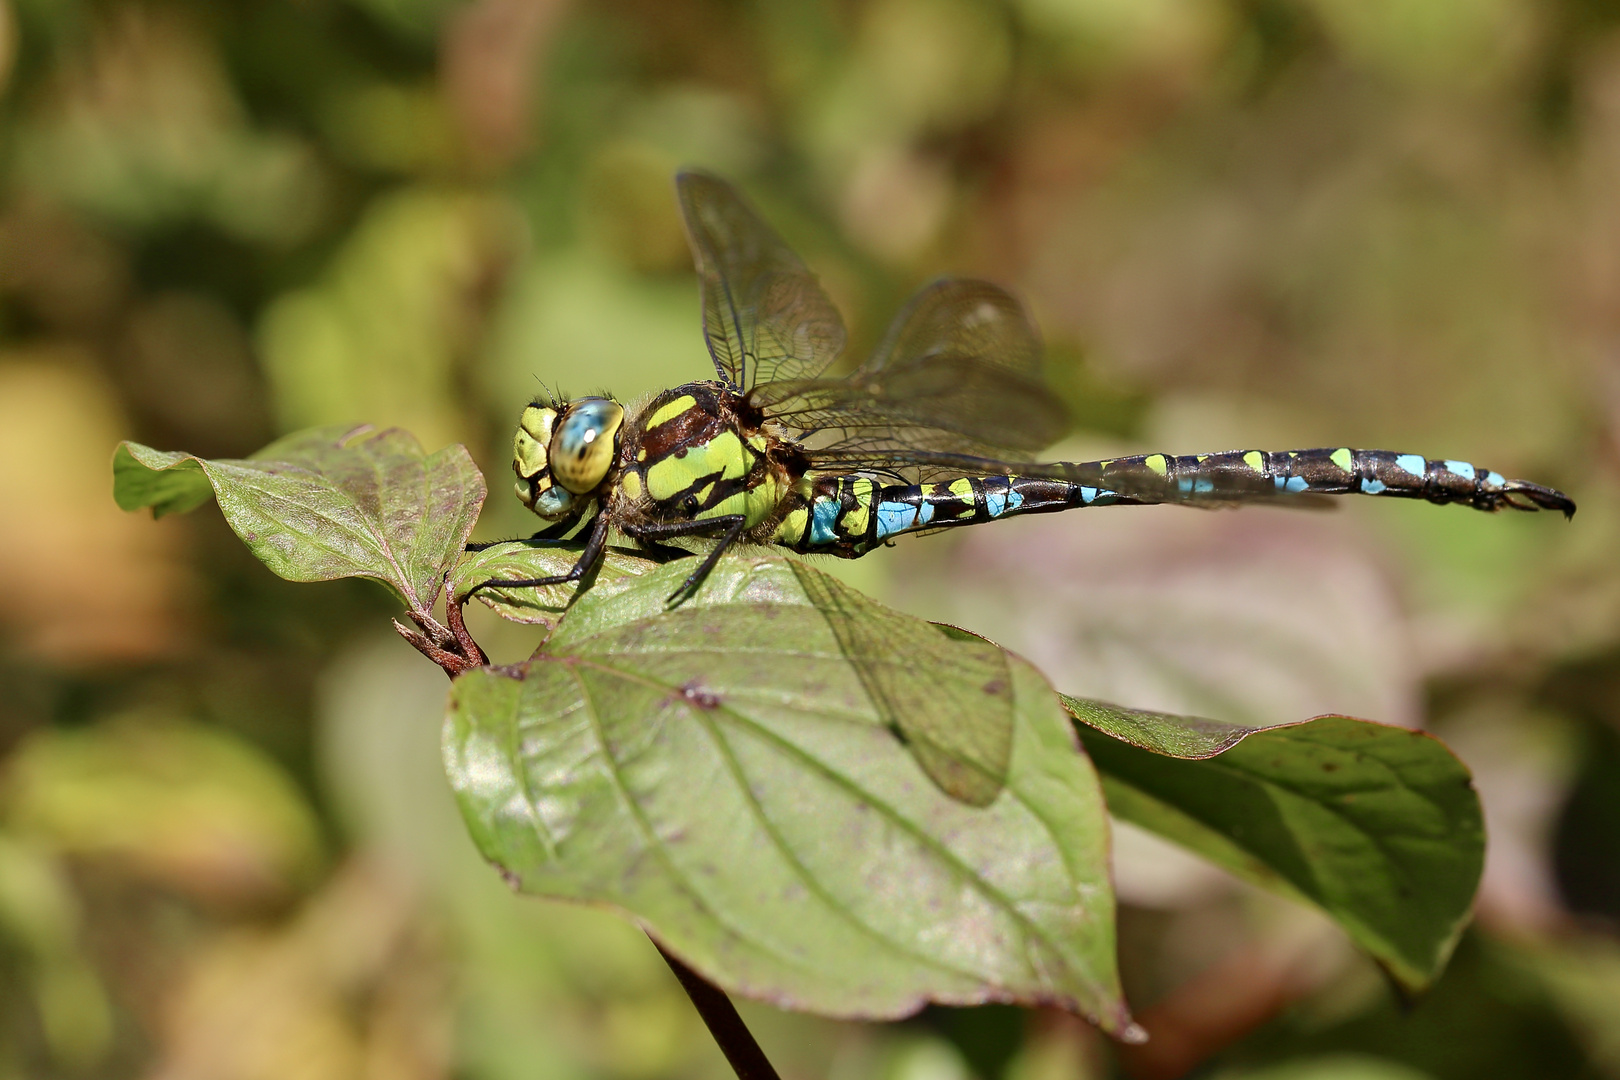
(851, 514)
(1257, 475)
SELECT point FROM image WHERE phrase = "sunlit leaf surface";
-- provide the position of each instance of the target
(1379, 826)
(720, 772)
(326, 503)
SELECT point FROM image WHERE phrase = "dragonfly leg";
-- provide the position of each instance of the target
(728, 526)
(595, 544)
(553, 533)
(663, 553)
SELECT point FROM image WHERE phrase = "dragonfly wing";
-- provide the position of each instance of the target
(961, 317)
(764, 314)
(935, 403)
(957, 376)
(945, 692)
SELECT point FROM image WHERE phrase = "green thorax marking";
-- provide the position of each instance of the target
(694, 461)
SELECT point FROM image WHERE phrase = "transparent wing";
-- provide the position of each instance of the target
(764, 314)
(961, 317)
(955, 385)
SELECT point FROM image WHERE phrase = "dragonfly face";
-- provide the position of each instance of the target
(564, 451)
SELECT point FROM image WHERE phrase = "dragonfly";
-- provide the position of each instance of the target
(937, 429)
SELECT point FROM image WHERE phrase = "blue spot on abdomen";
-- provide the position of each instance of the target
(1412, 463)
(1461, 468)
(823, 516)
(894, 517)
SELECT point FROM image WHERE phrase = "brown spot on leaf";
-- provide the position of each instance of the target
(696, 694)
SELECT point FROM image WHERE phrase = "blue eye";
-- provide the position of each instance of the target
(553, 502)
(583, 446)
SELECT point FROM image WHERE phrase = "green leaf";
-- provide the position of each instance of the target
(1192, 737)
(1378, 826)
(326, 503)
(169, 483)
(721, 772)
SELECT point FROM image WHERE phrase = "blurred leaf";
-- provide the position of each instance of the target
(418, 19)
(1378, 826)
(380, 335)
(349, 987)
(37, 906)
(59, 417)
(189, 805)
(917, 66)
(1473, 43)
(326, 504)
(1330, 1067)
(392, 127)
(1112, 34)
(144, 128)
(721, 772)
(74, 1012)
(39, 912)
(607, 328)
(1582, 974)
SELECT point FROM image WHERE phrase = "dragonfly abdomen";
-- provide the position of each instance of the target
(1255, 475)
(851, 514)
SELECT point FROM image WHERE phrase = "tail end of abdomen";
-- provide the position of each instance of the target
(1258, 475)
(1384, 472)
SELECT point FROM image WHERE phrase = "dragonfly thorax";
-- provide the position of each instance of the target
(565, 450)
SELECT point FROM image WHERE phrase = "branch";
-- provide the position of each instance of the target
(747, 1060)
(454, 649)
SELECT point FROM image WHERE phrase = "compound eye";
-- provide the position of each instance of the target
(585, 443)
(533, 437)
(529, 452)
(553, 502)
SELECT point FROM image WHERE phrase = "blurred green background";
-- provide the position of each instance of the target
(226, 850)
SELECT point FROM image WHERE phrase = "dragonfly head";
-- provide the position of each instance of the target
(564, 450)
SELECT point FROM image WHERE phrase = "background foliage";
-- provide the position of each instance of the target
(226, 848)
